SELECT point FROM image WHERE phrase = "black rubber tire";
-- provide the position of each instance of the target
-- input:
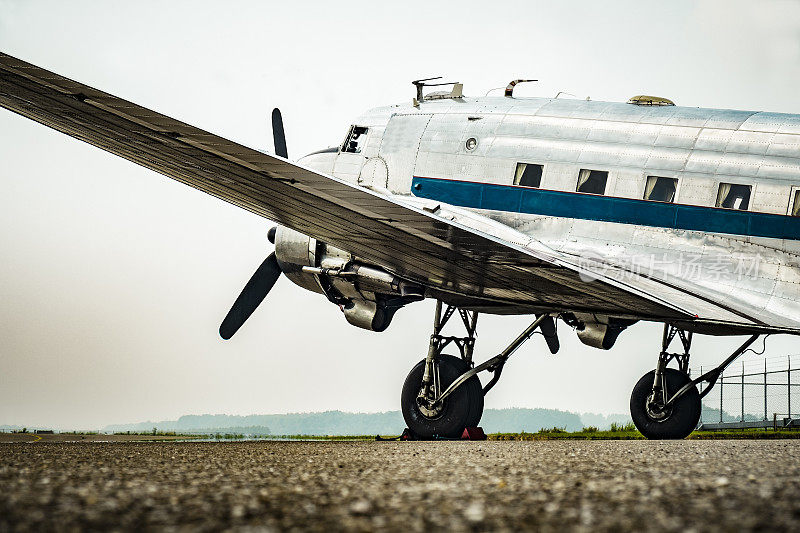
(684, 415)
(461, 409)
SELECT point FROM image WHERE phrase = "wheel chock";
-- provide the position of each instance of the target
(473, 433)
(409, 435)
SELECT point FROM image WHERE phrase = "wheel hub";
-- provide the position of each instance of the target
(655, 410)
(427, 408)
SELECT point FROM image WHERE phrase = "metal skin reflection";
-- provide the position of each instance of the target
(423, 200)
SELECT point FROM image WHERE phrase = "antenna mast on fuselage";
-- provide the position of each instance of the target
(456, 92)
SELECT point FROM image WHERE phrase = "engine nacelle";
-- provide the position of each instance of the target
(294, 251)
(367, 295)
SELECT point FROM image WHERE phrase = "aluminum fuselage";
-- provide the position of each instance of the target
(748, 259)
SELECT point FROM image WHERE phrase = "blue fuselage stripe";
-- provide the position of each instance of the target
(533, 201)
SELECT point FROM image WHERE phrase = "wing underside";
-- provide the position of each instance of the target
(415, 244)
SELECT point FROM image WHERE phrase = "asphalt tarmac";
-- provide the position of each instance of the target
(402, 486)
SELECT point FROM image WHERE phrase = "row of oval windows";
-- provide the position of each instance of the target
(657, 189)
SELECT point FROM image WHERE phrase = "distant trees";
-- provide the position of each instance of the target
(344, 424)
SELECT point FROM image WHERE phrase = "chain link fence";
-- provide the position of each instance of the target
(753, 394)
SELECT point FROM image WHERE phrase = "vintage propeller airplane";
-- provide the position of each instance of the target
(597, 214)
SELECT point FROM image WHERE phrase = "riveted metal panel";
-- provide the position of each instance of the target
(399, 149)
(749, 142)
(347, 166)
(698, 191)
(624, 113)
(676, 137)
(688, 116)
(726, 119)
(599, 155)
(666, 159)
(702, 162)
(713, 140)
(526, 106)
(629, 184)
(784, 145)
(772, 123)
(567, 107)
(635, 156)
(741, 165)
(644, 134)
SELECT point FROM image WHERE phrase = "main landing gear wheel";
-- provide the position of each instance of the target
(463, 408)
(674, 422)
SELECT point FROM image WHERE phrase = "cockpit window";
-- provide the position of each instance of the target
(796, 206)
(660, 189)
(355, 139)
(733, 196)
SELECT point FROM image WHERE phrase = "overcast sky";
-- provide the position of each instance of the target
(114, 279)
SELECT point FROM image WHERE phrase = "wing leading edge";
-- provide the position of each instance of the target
(443, 254)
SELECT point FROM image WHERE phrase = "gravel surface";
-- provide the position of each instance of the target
(85, 437)
(402, 486)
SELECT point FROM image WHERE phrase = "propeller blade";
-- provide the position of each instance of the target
(252, 295)
(278, 135)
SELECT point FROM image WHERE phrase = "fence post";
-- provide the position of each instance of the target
(789, 386)
(742, 391)
(721, 381)
(765, 389)
(701, 390)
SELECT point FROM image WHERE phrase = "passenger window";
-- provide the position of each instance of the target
(796, 205)
(592, 181)
(528, 175)
(732, 196)
(355, 140)
(660, 189)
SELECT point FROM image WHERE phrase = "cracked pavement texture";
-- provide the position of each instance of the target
(401, 486)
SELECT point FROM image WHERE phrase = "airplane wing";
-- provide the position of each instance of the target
(440, 253)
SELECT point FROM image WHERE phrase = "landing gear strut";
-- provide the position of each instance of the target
(665, 403)
(426, 417)
(442, 394)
